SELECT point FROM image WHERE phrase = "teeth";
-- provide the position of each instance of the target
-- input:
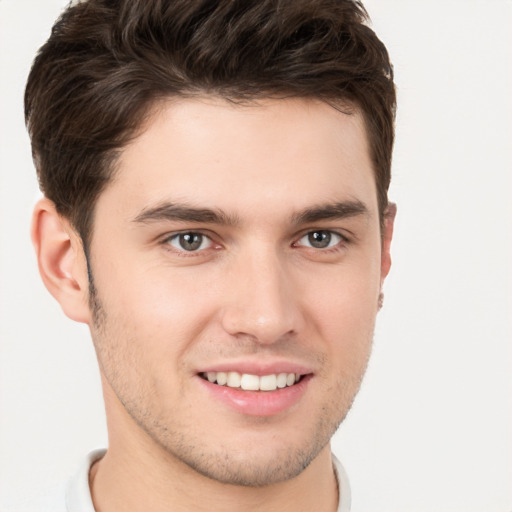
(234, 379)
(268, 382)
(222, 378)
(250, 382)
(281, 380)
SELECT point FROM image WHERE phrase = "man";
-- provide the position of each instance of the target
(215, 178)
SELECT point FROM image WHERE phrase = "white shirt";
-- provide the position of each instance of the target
(76, 497)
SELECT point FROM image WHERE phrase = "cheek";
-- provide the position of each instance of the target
(161, 310)
(145, 333)
(343, 313)
(345, 295)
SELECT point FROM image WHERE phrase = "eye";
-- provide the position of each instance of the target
(189, 241)
(320, 239)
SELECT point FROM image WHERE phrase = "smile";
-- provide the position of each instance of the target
(257, 392)
(249, 382)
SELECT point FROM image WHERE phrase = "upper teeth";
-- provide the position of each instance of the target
(250, 382)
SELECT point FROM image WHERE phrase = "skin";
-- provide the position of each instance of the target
(256, 290)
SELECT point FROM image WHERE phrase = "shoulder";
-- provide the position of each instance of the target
(71, 496)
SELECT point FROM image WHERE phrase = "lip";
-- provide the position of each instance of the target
(257, 403)
(258, 368)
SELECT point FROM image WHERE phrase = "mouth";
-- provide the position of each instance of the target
(253, 389)
(251, 382)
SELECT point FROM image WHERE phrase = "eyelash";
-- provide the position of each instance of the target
(340, 244)
(166, 242)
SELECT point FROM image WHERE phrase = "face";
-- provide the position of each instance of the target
(237, 265)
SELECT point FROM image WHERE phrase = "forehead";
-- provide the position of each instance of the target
(274, 155)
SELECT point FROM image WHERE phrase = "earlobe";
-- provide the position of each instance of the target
(387, 235)
(61, 260)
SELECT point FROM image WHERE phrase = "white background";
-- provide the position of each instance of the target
(431, 430)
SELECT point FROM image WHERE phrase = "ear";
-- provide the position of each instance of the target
(61, 260)
(387, 235)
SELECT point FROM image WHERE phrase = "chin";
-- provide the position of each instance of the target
(248, 470)
(259, 457)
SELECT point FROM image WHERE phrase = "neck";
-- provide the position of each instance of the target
(130, 480)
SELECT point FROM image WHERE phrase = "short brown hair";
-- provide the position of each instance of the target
(107, 62)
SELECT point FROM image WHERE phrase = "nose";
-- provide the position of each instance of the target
(260, 302)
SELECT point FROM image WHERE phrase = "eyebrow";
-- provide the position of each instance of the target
(339, 210)
(180, 212)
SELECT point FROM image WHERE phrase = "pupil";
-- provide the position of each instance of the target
(320, 239)
(191, 241)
